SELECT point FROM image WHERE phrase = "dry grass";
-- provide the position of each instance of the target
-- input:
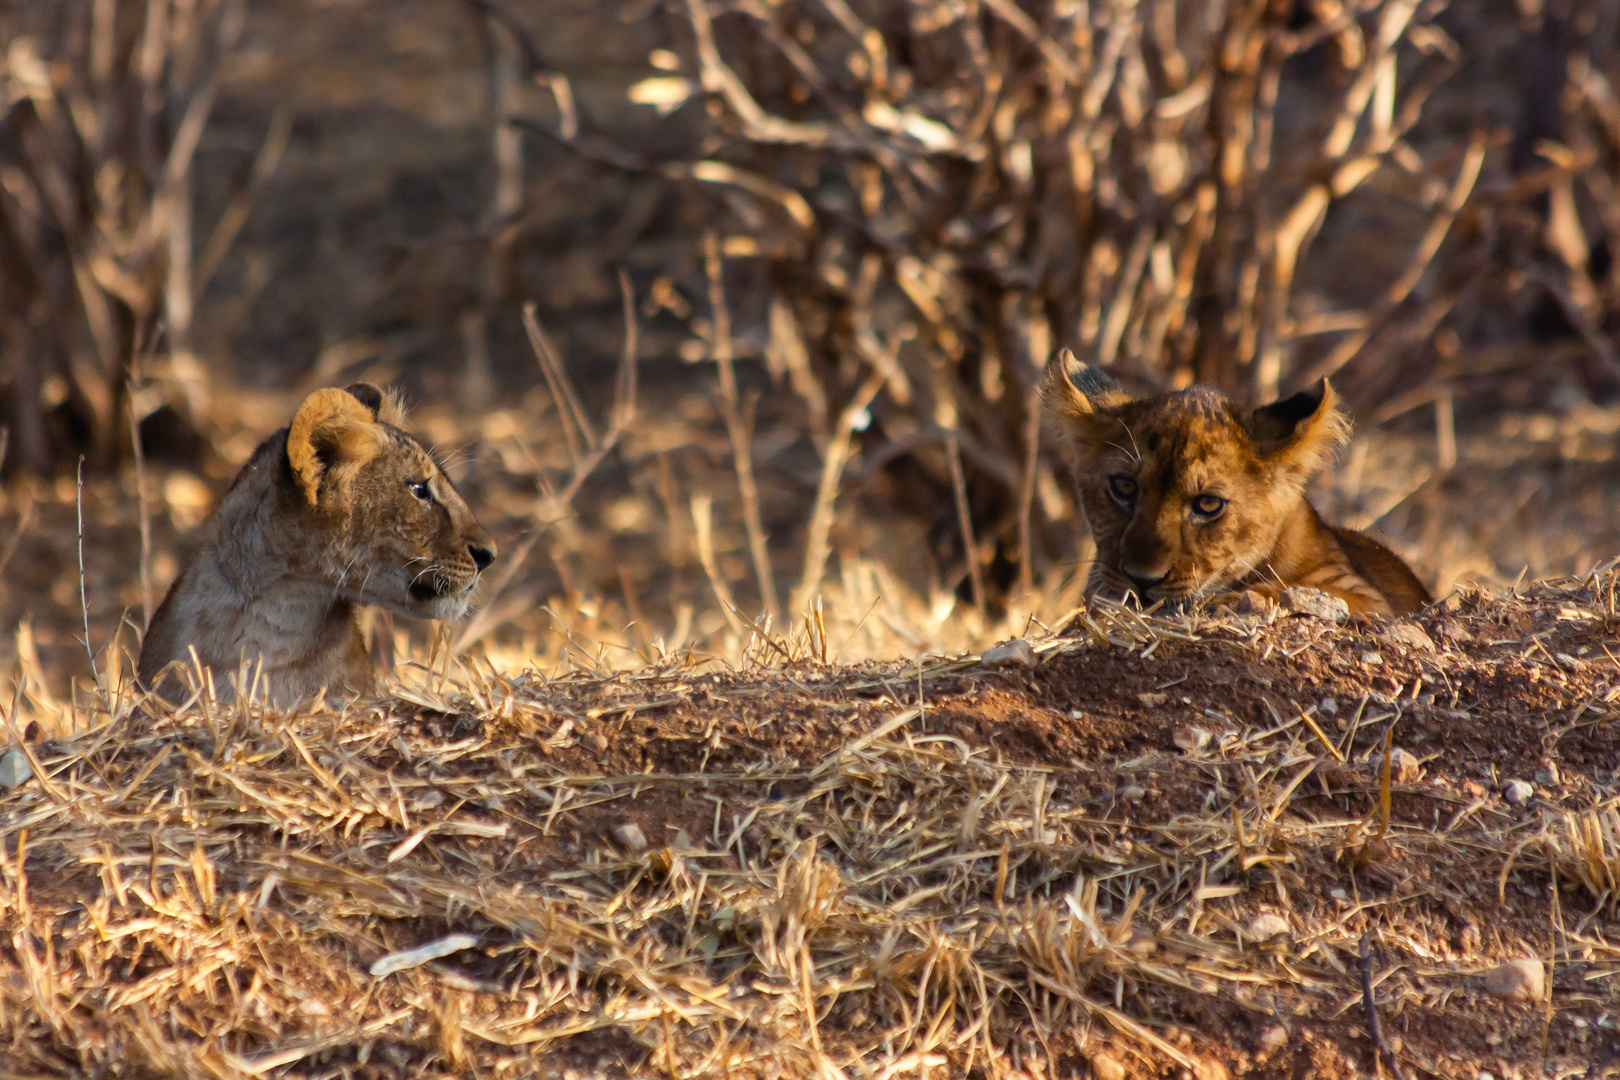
(825, 877)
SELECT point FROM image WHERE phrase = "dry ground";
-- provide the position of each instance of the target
(887, 870)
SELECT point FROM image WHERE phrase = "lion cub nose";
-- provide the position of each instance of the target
(481, 556)
(1144, 578)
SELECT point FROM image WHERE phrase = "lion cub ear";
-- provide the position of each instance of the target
(1081, 397)
(1302, 431)
(384, 406)
(330, 428)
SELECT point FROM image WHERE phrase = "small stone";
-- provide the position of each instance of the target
(1403, 766)
(1250, 602)
(1517, 792)
(1193, 740)
(1338, 776)
(1517, 980)
(1411, 635)
(1265, 926)
(1104, 1067)
(1328, 706)
(1274, 1037)
(14, 769)
(1372, 659)
(1315, 603)
(1134, 793)
(630, 836)
(600, 741)
(1153, 701)
(1016, 653)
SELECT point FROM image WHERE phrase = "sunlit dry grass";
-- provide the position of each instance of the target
(208, 886)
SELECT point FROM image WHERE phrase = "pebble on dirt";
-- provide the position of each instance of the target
(1016, 653)
(1517, 980)
(1193, 740)
(14, 769)
(1411, 635)
(1104, 1067)
(630, 836)
(1250, 603)
(1403, 765)
(1517, 792)
(1315, 603)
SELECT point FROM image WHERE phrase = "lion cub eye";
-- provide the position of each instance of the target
(420, 489)
(1122, 487)
(1209, 506)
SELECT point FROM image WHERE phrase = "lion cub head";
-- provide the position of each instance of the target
(386, 524)
(1185, 494)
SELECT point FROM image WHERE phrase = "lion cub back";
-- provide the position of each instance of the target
(1384, 571)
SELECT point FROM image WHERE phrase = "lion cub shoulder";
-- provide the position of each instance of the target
(340, 509)
(1187, 497)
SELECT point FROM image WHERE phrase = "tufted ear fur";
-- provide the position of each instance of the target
(1300, 432)
(384, 405)
(1082, 402)
(332, 427)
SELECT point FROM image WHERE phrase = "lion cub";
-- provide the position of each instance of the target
(340, 509)
(1187, 498)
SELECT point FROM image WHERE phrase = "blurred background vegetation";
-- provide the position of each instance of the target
(718, 307)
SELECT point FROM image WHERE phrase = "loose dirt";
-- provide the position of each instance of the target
(881, 870)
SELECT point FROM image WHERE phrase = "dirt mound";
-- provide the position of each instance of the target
(1158, 849)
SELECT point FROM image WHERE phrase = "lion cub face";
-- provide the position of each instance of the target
(388, 527)
(1184, 494)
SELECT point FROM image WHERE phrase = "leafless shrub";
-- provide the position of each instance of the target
(99, 265)
(941, 194)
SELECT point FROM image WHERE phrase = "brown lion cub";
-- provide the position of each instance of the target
(1187, 498)
(340, 509)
